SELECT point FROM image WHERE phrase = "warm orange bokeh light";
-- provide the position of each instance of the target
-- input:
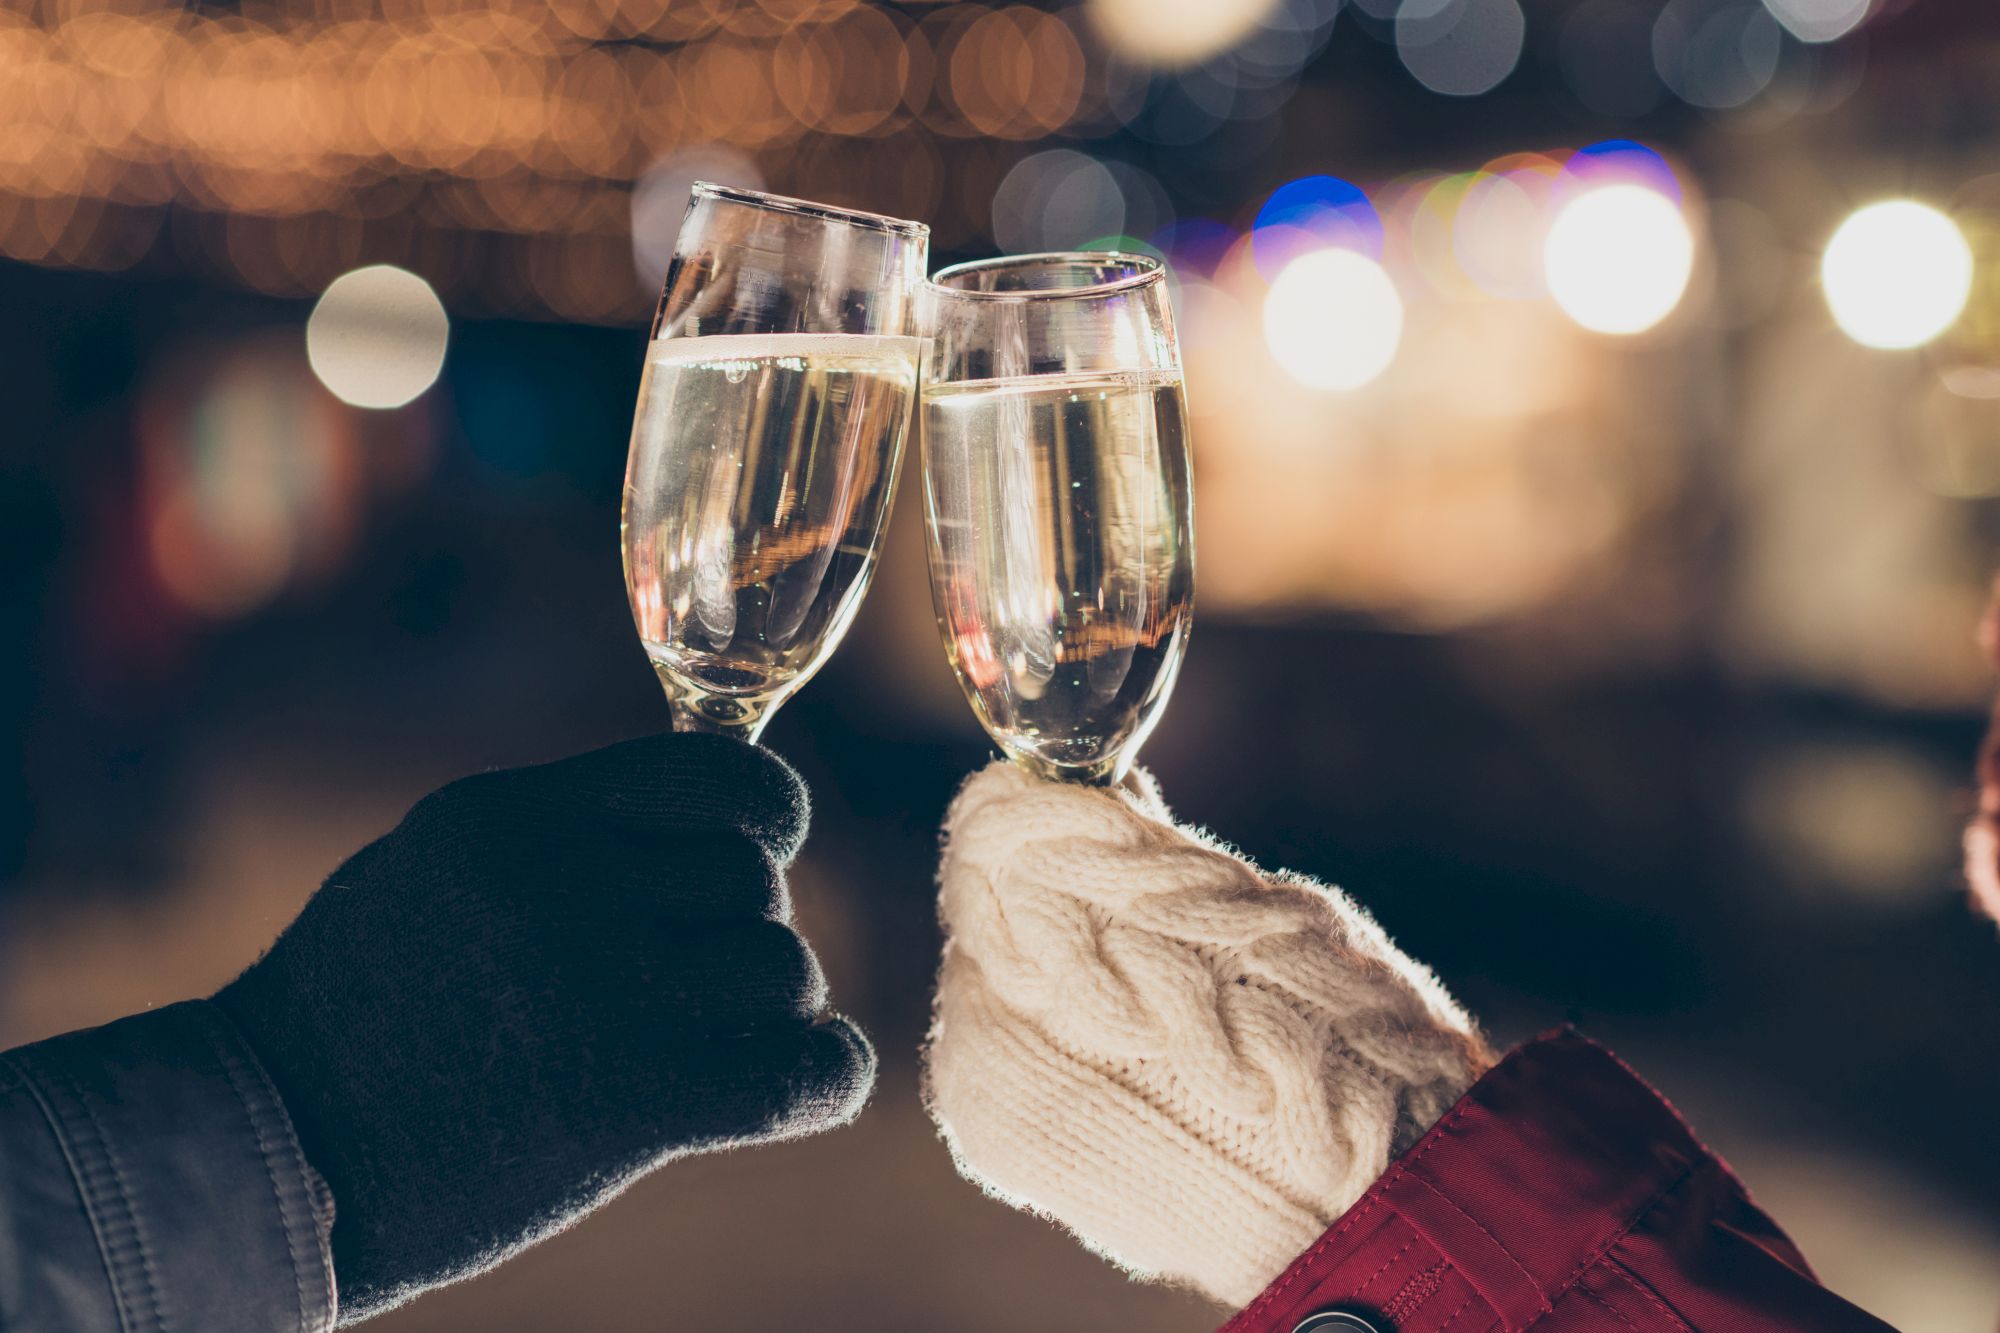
(516, 128)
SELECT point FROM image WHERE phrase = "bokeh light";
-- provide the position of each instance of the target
(1622, 162)
(1429, 209)
(1310, 214)
(1148, 211)
(1176, 32)
(1057, 200)
(1460, 47)
(521, 156)
(1896, 274)
(1282, 44)
(1016, 73)
(252, 479)
(1819, 20)
(1618, 258)
(1333, 320)
(1500, 224)
(377, 337)
(1714, 55)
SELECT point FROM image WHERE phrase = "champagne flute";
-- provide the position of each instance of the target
(1057, 502)
(777, 393)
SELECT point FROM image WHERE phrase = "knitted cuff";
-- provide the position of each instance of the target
(1193, 1065)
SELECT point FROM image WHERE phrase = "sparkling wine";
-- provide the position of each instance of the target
(1063, 557)
(760, 477)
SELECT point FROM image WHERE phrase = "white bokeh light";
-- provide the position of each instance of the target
(1716, 56)
(1057, 199)
(1460, 47)
(1618, 258)
(1819, 20)
(1497, 234)
(377, 336)
(1176, 32)
(1897, 274)
(1333, 319)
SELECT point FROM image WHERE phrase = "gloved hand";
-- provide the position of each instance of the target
(541, 985)
(1194, 1065)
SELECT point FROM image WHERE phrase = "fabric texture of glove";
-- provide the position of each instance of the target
(541, 985)
(1194, 1065)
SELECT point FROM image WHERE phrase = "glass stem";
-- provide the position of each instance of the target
(690, 715)
(741, 716)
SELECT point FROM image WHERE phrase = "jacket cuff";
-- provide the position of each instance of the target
(1559, 1184)
(203, 1210)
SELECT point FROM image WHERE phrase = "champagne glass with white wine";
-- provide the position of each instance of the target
(777, 394)
(1058, 503)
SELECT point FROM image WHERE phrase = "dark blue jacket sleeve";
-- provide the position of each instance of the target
(150, 1182)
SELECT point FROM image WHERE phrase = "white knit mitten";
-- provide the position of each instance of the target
(1193, 1065)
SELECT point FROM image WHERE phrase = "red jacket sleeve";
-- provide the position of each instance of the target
(1561, 1195)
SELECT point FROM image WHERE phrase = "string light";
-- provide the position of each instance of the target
(485, 132)
(523, 149)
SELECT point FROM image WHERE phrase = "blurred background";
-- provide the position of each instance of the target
(1597, 429)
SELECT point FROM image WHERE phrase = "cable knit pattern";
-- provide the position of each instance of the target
(1193, 1065)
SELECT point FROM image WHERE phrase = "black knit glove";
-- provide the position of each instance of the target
(541, 985)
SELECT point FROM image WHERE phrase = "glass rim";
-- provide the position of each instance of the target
(783, 203)
(1152, 270)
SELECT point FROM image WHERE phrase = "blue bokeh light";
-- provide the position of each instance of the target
(1314, 213)
(1623, 162)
